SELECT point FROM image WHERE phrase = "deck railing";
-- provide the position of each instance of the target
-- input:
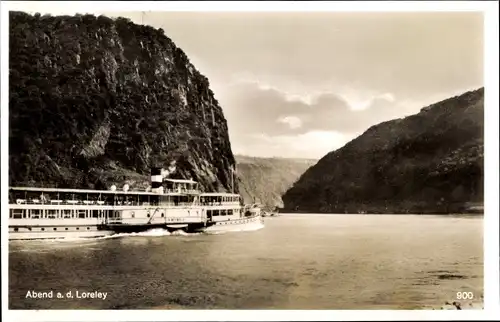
(120, 203)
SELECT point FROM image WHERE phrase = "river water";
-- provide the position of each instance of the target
(294, 262)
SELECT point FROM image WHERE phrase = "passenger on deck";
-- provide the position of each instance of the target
(44, 198)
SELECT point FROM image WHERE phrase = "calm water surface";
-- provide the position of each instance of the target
(295, 262)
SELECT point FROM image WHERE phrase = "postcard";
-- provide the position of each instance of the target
(187, 161)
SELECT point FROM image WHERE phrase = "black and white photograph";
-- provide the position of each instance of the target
(179, 158)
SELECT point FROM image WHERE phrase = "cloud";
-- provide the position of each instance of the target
(292, 121)
(388, 97)
(250, 108)
(262, 120)
(313, 144)
(359, 103)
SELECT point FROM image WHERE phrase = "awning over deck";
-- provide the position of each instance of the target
(180, 181)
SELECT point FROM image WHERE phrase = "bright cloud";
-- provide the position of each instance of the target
(292, 121)
(388, 97)
(313, 144)
(362, 100)
(358, 99)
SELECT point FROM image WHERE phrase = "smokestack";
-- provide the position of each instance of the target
(156, 178)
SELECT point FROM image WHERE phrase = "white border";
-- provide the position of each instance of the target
(491, 163)
(491, 221)
(298, 6)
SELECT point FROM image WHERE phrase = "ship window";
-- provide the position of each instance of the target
(51, 213)
(223, 212)
(132, 214)
(81, 213)
(16, 229)
(66, 228)
(95, 213)
(67, 213)
(29, 228)
(55, 228)
(43, 229)
(149, 215)
(88, 228)
(230, 212)
(18, 213)
(35, 213)
(77, 228)
(162, 214)
(215, 213)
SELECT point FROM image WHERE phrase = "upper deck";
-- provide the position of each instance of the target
(175, 195)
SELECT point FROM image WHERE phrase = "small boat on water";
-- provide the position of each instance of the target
(171, 204)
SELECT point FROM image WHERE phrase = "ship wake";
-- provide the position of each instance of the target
(156, 232)
(247, 227)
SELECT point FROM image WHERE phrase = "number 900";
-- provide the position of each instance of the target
(465, 295)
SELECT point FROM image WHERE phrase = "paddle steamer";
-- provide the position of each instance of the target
(172, 204)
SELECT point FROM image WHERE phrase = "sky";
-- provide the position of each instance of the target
(301, 84)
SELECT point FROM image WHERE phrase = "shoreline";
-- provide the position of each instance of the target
(451, 215)
(458, 306)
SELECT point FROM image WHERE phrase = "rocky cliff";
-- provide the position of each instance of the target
(264, 180)
(430, 162)
(96, 101)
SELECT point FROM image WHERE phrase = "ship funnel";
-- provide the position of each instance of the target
(156, 179)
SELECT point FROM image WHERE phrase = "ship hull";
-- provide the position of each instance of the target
(235, 225)
(60, 234)
(129, 228)
(217, 226)
(95, 231)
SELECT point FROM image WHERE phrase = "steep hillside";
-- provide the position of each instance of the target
(264, 180)
(431, 162)
(95, 101)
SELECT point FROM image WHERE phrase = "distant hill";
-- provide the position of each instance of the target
(430, 162)
(266, 179)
